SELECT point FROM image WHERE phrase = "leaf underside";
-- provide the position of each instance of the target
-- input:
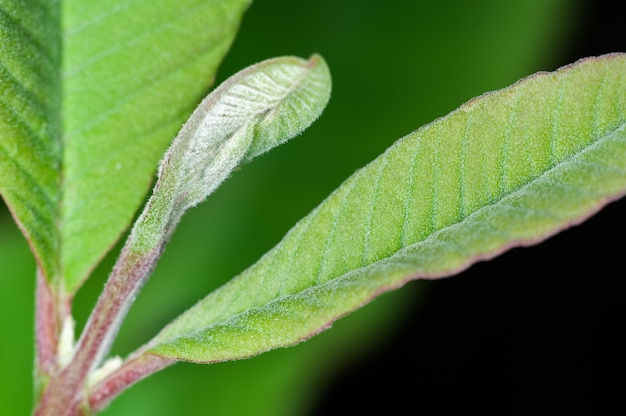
(81, 139)
(509, 168)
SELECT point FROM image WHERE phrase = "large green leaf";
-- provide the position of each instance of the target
(116, 123)
(508, 168)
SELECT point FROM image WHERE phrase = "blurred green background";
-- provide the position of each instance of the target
(396, 65)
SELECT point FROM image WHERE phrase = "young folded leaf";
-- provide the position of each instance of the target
(253, 111)
(506, 169)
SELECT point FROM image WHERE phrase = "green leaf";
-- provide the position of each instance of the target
(506, 169)
(253, 111)
(131, 72)
(30, 126)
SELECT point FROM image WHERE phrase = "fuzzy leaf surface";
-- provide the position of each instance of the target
(253, 111)
(98, 117)
(508, 168)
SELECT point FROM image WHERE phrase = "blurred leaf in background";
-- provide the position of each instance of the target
(395, 66)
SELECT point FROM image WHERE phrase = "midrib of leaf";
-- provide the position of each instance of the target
(575, 168)
(30, 145)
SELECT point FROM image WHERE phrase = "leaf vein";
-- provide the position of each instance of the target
(147, 86)
(330, 237)
(408, 199)
(372, 205)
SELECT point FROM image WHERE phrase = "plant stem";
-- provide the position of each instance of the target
(134, 369)
(46, 332)
(65, 390)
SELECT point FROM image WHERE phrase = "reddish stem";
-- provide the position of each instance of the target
(65, 390)
(50, 314)
(132, 370)
(46, 328)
